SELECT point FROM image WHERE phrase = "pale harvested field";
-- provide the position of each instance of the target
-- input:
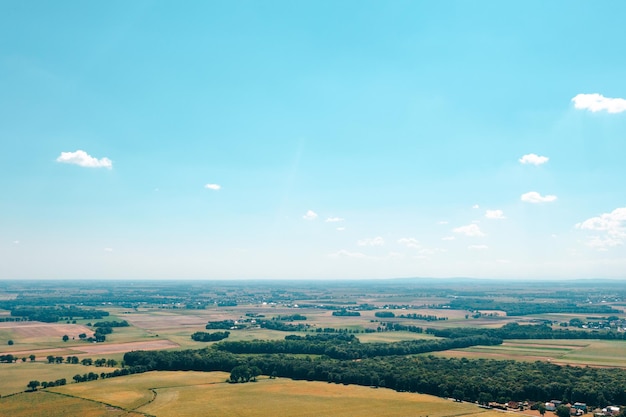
(34, 329)
(566, 352)
(158, 320)
(108, 348)
(199, 394)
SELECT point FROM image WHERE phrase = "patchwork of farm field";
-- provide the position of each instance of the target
(165, 394)
(572, 352)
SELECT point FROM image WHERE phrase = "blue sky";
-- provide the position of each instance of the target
(314, 139)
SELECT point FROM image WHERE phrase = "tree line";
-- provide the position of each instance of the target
(534, 331)
(465, 379)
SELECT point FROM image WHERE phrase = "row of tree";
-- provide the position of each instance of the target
(209, 337)
(535, 331)
(464, 379)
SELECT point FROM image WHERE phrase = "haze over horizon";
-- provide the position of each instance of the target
(303, 140)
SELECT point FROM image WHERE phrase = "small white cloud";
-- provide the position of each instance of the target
(409, 242)
(495, 214)
(214, 187)
(534, 197)
(347, 254)
(471, 230)
(533, 159)
(612, 225)
(376, 241)
(16, 242)
(475, 206)
(310, 215)
(597, 102)
(108, 249)
(341, 229)
(448, 238)
(334, 219)
(478, 247)
(83, 159)
(442, 222)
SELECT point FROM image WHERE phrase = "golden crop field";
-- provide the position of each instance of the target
(165, 394)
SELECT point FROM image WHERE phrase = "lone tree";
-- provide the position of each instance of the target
(32, 358)
(10, 342)
(32, 385)
(66, 338)
(562, 411)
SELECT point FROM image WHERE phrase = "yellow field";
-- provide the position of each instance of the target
(165, 394)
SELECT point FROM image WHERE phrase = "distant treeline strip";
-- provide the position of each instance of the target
(515, 331)
(350, 348)
(54, 314)
(526, 308)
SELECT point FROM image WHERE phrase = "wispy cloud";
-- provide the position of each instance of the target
(334, 219)
(534, 197)
(214, 187)
(611, 225)
(374, 241)
(448, 238)
(83, 159)
(443, 222)
(495, 214)
(108, 249)
(341, 229)
(597, 102)
(478, 247)
(310, 215)
(533, 159)
(471, 230)
(347, 254)
(410, 242)
(475, 206)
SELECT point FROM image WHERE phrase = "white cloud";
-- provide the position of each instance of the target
(108, 249)
(310, 215)
(448, 238)
(597, 102)
(214, 187)
(341, 229)
(471, 230)
(495, 214)
(334, 219)
(376, 241)
(475, 206)
(612, 224)
(478, 247)
(347, 254)
(442, 222)
(535, 197)
(83, 159)
(410, 242)
(16, 242)
(533, 159)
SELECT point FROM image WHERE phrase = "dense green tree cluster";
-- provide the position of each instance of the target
(54, 314)
(282, 326)
(343, 312)
(209, 337)
(222, 324)
(352, 349)
(112, 323)
(516, 308)
(425, 317)
(385, 314)
(535, 331)
(291, 317)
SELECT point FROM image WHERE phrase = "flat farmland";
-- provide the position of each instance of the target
(48, 404)
(571, 352)
(165, 394)
(15, 376)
